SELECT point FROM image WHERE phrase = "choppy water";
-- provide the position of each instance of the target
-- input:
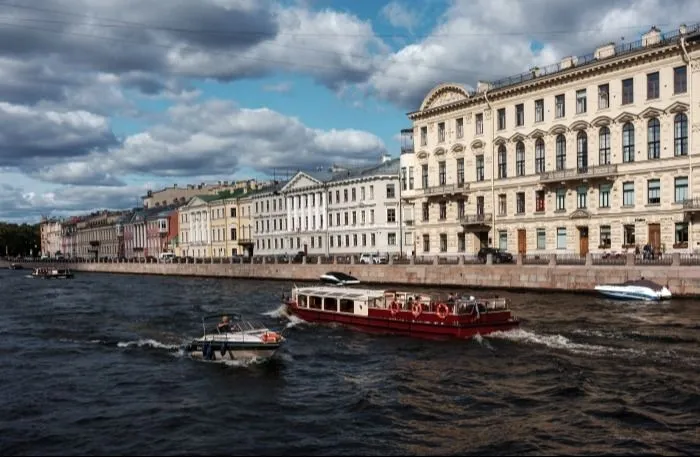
(92, 367)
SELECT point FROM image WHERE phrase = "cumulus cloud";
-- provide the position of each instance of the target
(217, 137)
(282, 87)
(399, 15)
(475, 40)
(20, 204)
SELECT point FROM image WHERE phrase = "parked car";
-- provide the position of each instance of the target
(368, 257)
(498, 255)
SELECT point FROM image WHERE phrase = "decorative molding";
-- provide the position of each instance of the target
(477, 144)
(677, 107)
(457, 148)
(579, 125)
(601, 121)
(537, 133)
(625, 117)
(516, 137)
(439, 151)
(557, 129)
(580, 214)
(499, 140)
(695, 65)
(422, 155)
(444, 94)
(650, 113)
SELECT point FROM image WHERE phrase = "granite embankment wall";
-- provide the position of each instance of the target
(683, 280)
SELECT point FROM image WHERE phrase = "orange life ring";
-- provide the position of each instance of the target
(442, 310)
(394, 308)
(269, 337)
(417, 309)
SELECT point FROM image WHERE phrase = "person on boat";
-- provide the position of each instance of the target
(224, 325)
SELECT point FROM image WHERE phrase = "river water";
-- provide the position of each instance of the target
(92, 366)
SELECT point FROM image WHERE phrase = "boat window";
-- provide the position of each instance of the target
(302, 301)
(330, 304)
(315, 302)
(347, 306)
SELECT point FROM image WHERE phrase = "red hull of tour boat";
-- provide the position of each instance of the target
(424, 325)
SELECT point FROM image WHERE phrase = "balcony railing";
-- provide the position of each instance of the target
(691, 204)
(600, 171)
(476, 219)
(446, 189)
(245, 241)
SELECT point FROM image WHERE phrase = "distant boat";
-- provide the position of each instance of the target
(637, 289)
(15, 266)
(52, 273)
(339, 279)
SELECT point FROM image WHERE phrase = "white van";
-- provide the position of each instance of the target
(166, 256)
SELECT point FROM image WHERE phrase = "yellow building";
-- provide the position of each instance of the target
(592, 154)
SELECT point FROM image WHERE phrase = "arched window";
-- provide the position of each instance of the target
(680, 134)
(502, 161)
(628, 142)
(519, 159)
(582, 152)
(604, 146)
(539, 155)
(561, 152)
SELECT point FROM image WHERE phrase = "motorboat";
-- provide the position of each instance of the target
(410, 313)
(637, 289)
(52, 273)
(15, 266)
(234, 338)
(339, 279)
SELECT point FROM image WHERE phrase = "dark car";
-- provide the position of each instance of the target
(498, 255)
(299, 257)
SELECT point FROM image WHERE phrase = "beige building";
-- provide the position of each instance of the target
(216, 225)
(179, 195)
(592, 154)
(97, 236)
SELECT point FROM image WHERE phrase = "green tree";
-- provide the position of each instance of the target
(20, 239)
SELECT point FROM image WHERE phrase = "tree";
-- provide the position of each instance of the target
(20, 239)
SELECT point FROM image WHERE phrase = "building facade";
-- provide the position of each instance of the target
(342, 211)
(96, 236)
(51, 237)
(195, 227)
(593, 154)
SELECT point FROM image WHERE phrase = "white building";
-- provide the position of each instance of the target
(342, 211)
(51, 238)
(592, 154)
(195, 227)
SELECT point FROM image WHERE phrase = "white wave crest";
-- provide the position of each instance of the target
(148, 343)
(280, 311)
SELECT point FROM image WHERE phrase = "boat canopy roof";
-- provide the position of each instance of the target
(341, 293)
(643, 283)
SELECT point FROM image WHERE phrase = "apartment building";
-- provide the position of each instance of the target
(96, 235)
(592, 154)
(340, 211)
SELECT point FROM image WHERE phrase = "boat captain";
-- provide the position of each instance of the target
(224, 325)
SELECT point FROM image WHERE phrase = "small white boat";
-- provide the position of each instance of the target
(234, 339)
(339, 279)
(638, 289)
(52, 273)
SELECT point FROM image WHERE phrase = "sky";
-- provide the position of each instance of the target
(102, 100)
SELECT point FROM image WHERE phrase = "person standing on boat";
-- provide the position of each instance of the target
(224, 325)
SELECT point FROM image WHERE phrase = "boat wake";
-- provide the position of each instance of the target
(281, 312)
(561, 342)
(148, 343)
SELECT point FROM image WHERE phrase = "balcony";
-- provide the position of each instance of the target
(245, 241)
(476, 219)
(691, 205)
(447, 189)
(579, 174)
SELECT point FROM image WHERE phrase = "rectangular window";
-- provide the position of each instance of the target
(441, 132)
(353, 194)
(391, 239)
(459, 127)
(442, 173)
(628, 235)
(520, 203)
(502, 162)
(426, 212)
(479, 124)
(460, 209)
(423, 136)
(501, 119)
(460, 172)
(410, 181)
(424, 176)
(561, 200)
(520, 159)
(461, 242)
(603, 96)
(680, 80)
(653, 85)
(604, 195)
(503, 240)
(390, 191)
(628, 194)
(426, 243)
(605, 237)
(627, 91)
(541, 239)
(581, 101)
(539, 201)
(404, 184)
(581, 197)
(443, 211)
(561, 237)
(390, 215)
(539, 110)
(680, 185)
(681, 232)
(502, 205)
(480, 168)
(443, 242)
(559, 106)
(654, 191)
(519, 114)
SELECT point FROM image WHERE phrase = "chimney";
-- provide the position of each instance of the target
(567, 62)
(605, 51)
